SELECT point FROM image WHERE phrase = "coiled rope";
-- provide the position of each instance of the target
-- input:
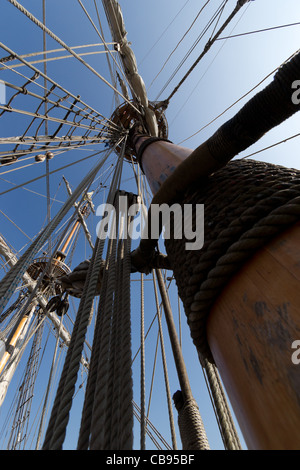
(246, 204)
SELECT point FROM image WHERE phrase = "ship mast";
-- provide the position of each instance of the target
(251, 211)
(174, 173)
(42, 271)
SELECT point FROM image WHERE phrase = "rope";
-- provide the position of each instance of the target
(37, 71)
(196, 42)
(50, 59)
(258, 31)
(224, 417)
(191, 427)
(177, 45)
(16, 226)
(104, 43)
(60, 412)
(207, 47)
(239, 220)
(50, 380)
(143, 414)
(14, 276)
(164, 360)
(43, 176)
(206, 70)
(239, 99)
(137, 411)
(46, 124)
(165, 30)
(26, 392)
(86, 419)
(107, 417)
(46, 118)
(63, 44)
(192, 431)
(33, 54)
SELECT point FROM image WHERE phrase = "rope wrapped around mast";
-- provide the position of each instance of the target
(192, 432)
(266, 110)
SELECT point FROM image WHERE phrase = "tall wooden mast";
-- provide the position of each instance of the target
(240, 291)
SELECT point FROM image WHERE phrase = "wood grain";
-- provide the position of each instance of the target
(250, 331)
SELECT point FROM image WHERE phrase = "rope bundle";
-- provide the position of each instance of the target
(63, 401)
(190, 424)
(107, 418)
(246, 204)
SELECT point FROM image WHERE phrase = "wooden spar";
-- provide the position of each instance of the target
(12, 343)
(60, 256)
(8, 373)
(16, 335)
(251, 329)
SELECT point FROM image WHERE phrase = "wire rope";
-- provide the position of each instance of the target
(165, 30)
(258, 31)
(11, 52)
(196, 42)
(178, 43)
(206, 70)
(62, 43)
(239, 99)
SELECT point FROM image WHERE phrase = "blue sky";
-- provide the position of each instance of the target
(231, 69)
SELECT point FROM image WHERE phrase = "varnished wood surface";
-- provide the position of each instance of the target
(250, 330)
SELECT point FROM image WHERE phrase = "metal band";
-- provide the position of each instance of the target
(145, 144)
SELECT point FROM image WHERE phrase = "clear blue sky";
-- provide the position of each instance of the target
(231, 69)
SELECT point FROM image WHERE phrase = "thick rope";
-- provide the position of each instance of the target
(125, 413)
(227, 427)
(118, 434)
(60, 412)
(246, 204)
(84, 434)
(192, 432)
(83, 441)
(107, 418)
(50, 379)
